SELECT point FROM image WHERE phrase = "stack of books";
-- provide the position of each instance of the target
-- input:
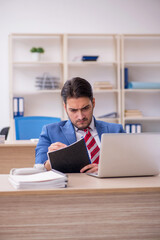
(102, 85)
(43, 180)
(133, 113)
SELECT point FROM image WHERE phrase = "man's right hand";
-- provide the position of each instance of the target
(56, 146)
(53, 147)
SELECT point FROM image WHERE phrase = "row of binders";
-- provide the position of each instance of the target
(133, 128)
(18, 106)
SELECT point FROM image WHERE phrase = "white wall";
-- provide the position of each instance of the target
(70, 16)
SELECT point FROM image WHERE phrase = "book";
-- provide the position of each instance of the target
(70, 159)
(43, 180)
(126, 78)
(144, 85)
(133, 113)
(90, 58)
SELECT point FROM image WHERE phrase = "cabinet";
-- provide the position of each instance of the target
(140, 54)
(62, 59)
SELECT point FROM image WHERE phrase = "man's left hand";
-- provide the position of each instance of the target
(91, 168)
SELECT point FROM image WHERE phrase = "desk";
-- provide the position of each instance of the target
(17, 154)
(89, 209)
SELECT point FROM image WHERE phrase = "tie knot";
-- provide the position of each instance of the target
(86, 129)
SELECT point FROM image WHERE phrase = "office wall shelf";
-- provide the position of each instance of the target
(106, 68)
(62, 59)
(58, 60)
(141, 55)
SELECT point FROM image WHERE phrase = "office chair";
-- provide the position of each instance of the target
(4, 131)
(30, 127)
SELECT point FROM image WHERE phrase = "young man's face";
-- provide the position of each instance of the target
(80, 111)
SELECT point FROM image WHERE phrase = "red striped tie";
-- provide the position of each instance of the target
(92, 146)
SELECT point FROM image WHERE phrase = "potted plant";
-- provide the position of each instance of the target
(36, 53)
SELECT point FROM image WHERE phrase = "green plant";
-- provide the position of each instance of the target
(33, 49)
(38, 50)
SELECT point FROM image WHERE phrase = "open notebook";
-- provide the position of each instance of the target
(124, 155)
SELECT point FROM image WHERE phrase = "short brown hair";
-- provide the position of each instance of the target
(75, 88)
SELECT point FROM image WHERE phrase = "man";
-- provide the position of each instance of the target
(79, 104)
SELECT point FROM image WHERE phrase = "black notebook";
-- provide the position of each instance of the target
(71, 158)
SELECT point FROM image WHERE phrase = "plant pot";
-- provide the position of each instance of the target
(36, 56)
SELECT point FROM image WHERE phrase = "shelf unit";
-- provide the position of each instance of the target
(62, 59)
(141, 55)
(59, 60)
(23, 73)
(107, 68)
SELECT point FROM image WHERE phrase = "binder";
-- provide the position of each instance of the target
(18, 107)
(128, 128)
(15, 107)
(133, 128)
(139, 128)
(21, 106)
(126, 78)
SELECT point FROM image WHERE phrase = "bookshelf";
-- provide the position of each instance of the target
(59, 60)
(141, 56)
(105, 69)
(23, 73)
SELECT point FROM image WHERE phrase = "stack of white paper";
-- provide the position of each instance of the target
(44, 180)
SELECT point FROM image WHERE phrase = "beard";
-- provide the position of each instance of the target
(81, 124)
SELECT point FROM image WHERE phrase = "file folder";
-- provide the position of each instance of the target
(15, 107)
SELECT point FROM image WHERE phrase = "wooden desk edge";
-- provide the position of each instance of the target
(68, 191)
(18, 143)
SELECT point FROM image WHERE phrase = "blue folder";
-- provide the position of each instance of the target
(144, 85)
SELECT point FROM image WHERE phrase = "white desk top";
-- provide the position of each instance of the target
(82, 183)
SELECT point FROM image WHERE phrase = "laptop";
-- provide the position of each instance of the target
(124, 155)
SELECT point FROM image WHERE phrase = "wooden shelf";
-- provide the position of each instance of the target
(106, 91)
(31, 63)
(142, 63)
(142, 118)
(141, 90)
(92, 63)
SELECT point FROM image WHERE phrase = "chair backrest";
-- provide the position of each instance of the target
(4, 131)
(30, 127)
